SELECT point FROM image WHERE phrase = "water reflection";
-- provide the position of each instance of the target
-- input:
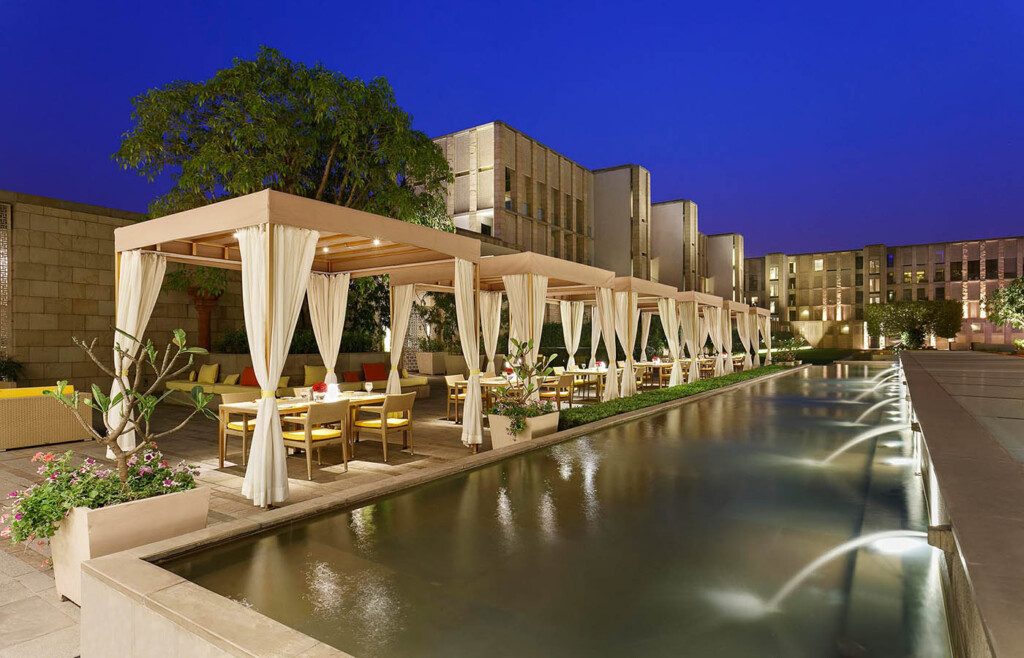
(636, 540)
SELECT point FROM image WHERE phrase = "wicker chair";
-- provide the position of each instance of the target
(395, 415)
(239, 427)
(558, 390)
(323, 425)
(456, 394)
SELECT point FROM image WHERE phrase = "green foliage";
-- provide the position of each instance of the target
(368, 312)
(303, 342)
(514, 401)
(35, 512)
(1006, 305)
(431, 344)
(10, 369)
(576, 416)
(269, 122)
(786, 349)
(942, 318)
(912, 338)
(207, 281)
(440, 315)
(233, 341)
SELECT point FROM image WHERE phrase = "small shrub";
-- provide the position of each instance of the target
(233, 341)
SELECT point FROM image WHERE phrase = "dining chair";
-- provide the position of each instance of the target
(561, 389)
(664, 374)
(300, 418)
(242, 428)
(323, 425)
(395, 415)
(558, 370)
(456, 394)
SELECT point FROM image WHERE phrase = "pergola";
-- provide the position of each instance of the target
(735, 314)
(286, 247)
(698, 313)
(634, 296)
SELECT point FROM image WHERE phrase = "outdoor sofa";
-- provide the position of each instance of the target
(28, 418)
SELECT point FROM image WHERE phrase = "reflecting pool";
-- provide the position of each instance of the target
(683, 534)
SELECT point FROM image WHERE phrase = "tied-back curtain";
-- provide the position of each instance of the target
(595, 335)
(572, 328)
(727, 340)
(606, 312)
(625, 328)
(645, 333)
(465, 311)
(743, 328)
(670, 323)
(275, 271)
(539, 306)
(766, 332)
(517, 289)
(328, 300)
(690, 324)
(138, 285)
(714, 317)
(490, 325)
(401, 309)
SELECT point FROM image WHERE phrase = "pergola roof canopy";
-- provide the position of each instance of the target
(350, 240)
(648, 292)
(734, 306)
(757, 310)
(701, 298)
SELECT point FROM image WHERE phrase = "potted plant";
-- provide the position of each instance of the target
(204, 286)
(86, 511)
(441, 350)
(10, 370)
(430, 357)
(516, 416)
(785, 353)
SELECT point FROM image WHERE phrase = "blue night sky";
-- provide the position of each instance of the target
(803, 125)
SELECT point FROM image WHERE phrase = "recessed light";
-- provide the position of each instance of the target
(376, 242)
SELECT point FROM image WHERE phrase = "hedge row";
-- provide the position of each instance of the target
(577, 416)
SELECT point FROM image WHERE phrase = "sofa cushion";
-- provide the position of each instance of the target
(35, 391)
(375, 372)
(249, 378)
(351, 376)
(185, 385)
(191, 375)
(230, 380)
(313, 375)
(283, 382)
(208, 373)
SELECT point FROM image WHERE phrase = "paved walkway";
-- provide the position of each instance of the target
(35, 622)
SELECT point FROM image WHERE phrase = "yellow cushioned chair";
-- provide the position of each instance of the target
(456, 394)
(237, 427)
(395, 415)
(558, 390)
(324, 425)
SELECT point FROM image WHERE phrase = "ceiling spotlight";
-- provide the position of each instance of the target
(325, 250)
(376, 242)
(237, 235)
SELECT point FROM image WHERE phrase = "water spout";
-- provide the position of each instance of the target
(880, 382)
(876, 406)
(854, 544)
(862, 437)
(886, 372)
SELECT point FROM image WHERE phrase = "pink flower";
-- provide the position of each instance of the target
(17, 517)
(41, 470)
(36, 457)
(53, 478)
(48, 457)
(40, 543)
(13, 494)
(168, 483)
(45, 563)
(90, 461)
(149, 456)
(6, 532)
(133, 460)
(145, 470)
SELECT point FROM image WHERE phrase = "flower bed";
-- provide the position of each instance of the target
(577, 416)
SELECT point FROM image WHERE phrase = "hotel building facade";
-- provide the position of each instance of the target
(822, 295)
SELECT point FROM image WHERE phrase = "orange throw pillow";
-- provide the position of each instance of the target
(249, 378)
(352, 376)
(375, 372)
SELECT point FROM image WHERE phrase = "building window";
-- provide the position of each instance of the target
(921, 277)
(890, 277)
(940, 292)
(773, 274)
(908, 277)
(956, 272)
(922, 294)
(819, 264)
(875, 299)
(940, 256)
(771, 307)
(792, 267)
(991, 268)
(874, 284)
(873, 266)
(973, 270)
(888, 259)
(773, 290)
(859, 262)
(792, 315)
(859, 297)
(940, 274)
(753, 301)
(908, 294)
(859, 279)
(753, 282)
(792, 284)
(1009, 268)
(890, 295)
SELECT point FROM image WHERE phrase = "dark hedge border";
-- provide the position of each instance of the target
(569, 418)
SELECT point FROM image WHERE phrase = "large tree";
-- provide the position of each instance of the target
(912, 321)
(273, 123)
(1006, 305)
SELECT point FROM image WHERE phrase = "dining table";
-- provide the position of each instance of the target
(289, 406)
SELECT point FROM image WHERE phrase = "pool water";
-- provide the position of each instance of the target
(662, 537)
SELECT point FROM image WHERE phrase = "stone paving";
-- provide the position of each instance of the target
(35, 622)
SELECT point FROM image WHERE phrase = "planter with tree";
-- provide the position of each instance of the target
(785, 352)
(85, 510)
(10, 370)
(1006, 307)
(516, 415)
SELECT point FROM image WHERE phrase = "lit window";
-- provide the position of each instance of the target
(773, 290)
(819, 264)
(771, 307)
(874, 284)
(773, 274)
(921, 277)
(792, 267)
(873, 266)
(908, 277)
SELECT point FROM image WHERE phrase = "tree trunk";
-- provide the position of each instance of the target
(204, 308)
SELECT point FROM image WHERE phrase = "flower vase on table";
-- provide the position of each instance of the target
(319, 391)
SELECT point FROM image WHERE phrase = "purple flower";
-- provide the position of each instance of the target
(53, 478)
(145, 470)
(149, 456)
(90, 461)
(17, 517)
(13, 494)
(133, 460)
(168, 483)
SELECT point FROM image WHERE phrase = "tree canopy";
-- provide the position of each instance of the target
(273, 123)
(912, 321)
(1006, 305)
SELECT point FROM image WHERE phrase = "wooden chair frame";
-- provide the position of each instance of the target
(393, 405)
(320, 415)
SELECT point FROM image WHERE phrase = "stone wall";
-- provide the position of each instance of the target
(61, 269)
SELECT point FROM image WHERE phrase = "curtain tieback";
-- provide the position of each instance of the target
(330, 371)
(267, 393)
(394, 367)
(474, 372)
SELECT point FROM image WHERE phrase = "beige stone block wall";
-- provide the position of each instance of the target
(62, 275)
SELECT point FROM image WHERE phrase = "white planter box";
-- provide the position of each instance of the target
(89, 533)
(535, 428)
(430, 363)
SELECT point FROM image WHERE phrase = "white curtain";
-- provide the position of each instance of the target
(595, 335)
(625, 328)
(490, 324)
(670, 323)
(606, 312)
(138, 285)
(691, 325)
(465, 310)
(328, 300)
(727, 340)
(714, 326)
(766, 331)
(572, 328)
(645, 333)
(275, 271)
(743, 327)
(527, 298)
(401, 309)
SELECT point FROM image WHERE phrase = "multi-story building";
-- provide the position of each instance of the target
(520, 193)
(622, 220)
(822, 296)
(676, 245)
(725, 263)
